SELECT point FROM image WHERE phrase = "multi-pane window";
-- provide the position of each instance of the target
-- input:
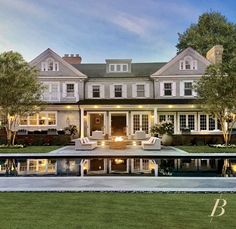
(112, 67)
(118, 91)
(125, 67)
(203, 122)
(187, 121)
(207, 122)
(33, 120)
(136, 122)
(118, 68)
(145, 164)
(41, 119)
(51, 92)
(70, 90)
(140, 90)
(50, 65)
(145, 126)
(182, 122)
(140, 122)
(169, 117)
(212, 123)
(191, 122)
(167, 89)
(24, 120)
(96, 91)
(188, 86)
(162, 118)
(188, 63)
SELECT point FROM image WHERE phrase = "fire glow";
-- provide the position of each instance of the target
(118, 139)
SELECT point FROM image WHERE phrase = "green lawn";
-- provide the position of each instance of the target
(114, 210)
(206, 149)
(30, 149)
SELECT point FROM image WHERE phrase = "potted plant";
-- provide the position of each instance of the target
(165, 129)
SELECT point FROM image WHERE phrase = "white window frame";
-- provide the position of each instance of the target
(173, 89)
(49, 84)
(166, 114)
(193, 63)
(76, 92)
(207, 123)
(187, 114)
(90, 91)
(146, 90)
(121, 67)
(140, 120)
(46, 112)
(182, 88)
(45, 66)
(112, 91)
(98, 91)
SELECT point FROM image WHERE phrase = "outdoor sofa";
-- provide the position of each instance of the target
(153, 143)
(85, 144)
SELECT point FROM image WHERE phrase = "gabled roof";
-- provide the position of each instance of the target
(50, 52)
(137, 70)
(179, 57)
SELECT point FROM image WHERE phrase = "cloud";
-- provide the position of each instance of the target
(25, 7)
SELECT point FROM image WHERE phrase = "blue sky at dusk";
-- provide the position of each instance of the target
(144, 30)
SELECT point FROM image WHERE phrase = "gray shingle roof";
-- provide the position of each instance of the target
(137, 70)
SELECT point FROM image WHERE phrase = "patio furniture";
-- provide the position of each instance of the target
(152, 144)
(139, 134)
(97, 134)
(84, 144)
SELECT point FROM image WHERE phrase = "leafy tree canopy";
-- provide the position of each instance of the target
(20, 91)
(211, 29)
(217, 95)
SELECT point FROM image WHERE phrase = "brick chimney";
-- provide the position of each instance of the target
(72, 58)
(214, 55)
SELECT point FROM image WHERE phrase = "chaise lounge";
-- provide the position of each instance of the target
(85, 144)
(152, 144)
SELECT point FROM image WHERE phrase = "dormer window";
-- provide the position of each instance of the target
(118, 67)
(50, 65)
(188, 63)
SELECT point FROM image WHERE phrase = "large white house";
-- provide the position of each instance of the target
(119, 97)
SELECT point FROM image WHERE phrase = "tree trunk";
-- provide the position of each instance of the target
(13, 138)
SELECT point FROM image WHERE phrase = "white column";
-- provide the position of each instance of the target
(141, 164)
(37, 165)
(156, 169)
(155, 115)
(46, 166)
(110, 165)
(28, 163)
(82, 123)
(18, 167)
(82, 168)
(132, 165)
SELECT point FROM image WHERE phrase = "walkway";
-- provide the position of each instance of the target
(117, 184)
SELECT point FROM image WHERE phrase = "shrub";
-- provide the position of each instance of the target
(164, 127)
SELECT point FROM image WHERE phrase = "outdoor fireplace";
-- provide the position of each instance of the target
(117, 143)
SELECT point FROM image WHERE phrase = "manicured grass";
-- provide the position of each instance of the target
(30, 149)
(206, 149)
(114, 210)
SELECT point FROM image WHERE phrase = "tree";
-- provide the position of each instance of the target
(212, 29)
(20, 91)
(217, 95)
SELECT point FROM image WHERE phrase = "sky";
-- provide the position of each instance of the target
(141, 30)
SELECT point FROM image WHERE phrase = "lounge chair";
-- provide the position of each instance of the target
(85, 144)
(139, 134)
(152, 144)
